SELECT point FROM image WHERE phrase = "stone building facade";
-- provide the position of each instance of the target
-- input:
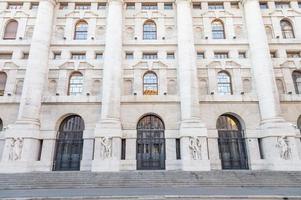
(130, 85)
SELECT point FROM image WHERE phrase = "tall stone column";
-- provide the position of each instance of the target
(272, 126)
(192, 131)
(22, 138)
(108, 129)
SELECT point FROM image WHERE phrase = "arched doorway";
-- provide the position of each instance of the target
(150, 143)
(231, 143)
(69, 145)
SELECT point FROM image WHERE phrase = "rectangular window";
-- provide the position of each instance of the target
(168, 6)
(178, 149)
(130, 6)
(234, 5)
(78, 56)
(63, 6)
(25, 55)
(57, 55)
(101, 6)
(200, 55)
(299, 4)
(34, 6)
(82, 6)
(150, 56)
(170, 55)
(242, 55)
(149, 6)
(123, 149)
(221, 55)
(5, 56)
(196, 6)
(98, 56)
(260, 148)
(14, 6)
(282, 5)
(215, 6)
(293, 54)
(263, 5)
(129, 55)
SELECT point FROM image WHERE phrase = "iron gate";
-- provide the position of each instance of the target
(150, 143)
(232, 149)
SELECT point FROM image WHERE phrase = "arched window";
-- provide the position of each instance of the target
(76, 83)
(224, 85)
(297, 81)
(287, 29)
(1, 125)
(218, 31)
(3, 78)
(231, 143)
(149, 30)
(81, 30)
(150, 84)
(69, 146)
(11, 30)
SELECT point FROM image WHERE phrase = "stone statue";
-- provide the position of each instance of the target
(195, 148)
(106, 147)
(282, 145)
(15, 148)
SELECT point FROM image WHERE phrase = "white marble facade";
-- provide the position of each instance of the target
(259, 55)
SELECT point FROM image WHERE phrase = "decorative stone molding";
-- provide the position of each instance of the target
(195, 146)
(284, 148)
(15, 148)
(106, 148)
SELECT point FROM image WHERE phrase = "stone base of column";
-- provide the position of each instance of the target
(107, 149)
(280, 145)
(194, 150)
(21, 148)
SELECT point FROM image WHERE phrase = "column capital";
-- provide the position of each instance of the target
(115, 1)
(180, 1)
(53, 2)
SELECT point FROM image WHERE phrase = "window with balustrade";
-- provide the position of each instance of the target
(81, 31)
(150, 83)
(76, 82)
(218, 31)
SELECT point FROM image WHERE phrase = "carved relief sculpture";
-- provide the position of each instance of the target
(195, 148)
(106, 147)
(283, 146)
(16, 146)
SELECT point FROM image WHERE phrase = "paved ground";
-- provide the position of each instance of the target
(160, 193)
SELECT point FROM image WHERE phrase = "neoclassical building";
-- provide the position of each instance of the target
(150, 85)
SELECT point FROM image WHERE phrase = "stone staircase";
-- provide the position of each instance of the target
(148, 179)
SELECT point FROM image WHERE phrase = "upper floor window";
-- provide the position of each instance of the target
(101, 6)
(82, 6)
(242, 55)
(63, 6)
(297, 81)
(149, 30)
(150, 84)
(11, 30)
(293, 54)
(149, 56)
(218, 31)
(81, 30)
(299, 4)
(170, 55)
(57, 55)
(168, 6)
(234, 5)
(14, 6)
(149, 6)
(34, 6)
(1, 125)
(263, 5)
(130, 6)
(273, 54)
(196, 5)
(287, 29)
(299, 123)
(76, 83)
(3, 78)
(224, 85)
(221, 55)
(5, 56)
(200, 55)
(129, 55)
(99, 56)
(215, 6)
(78, 56)
(282, 5)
